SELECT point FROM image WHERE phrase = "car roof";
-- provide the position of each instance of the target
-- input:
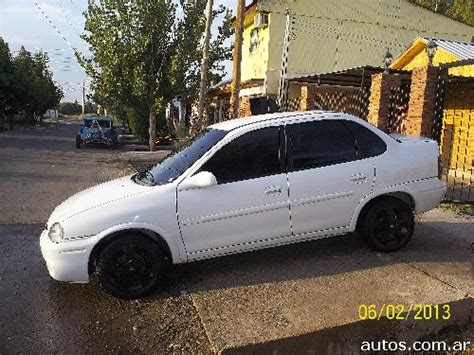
(280, 116)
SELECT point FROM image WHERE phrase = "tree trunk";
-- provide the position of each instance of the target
(152, 129)
(237, 58)
(205, 65)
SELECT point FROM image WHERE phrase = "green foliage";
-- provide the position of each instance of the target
(131, 45)
(74, 108)
(461, 10)
(7, 97)
(137, 122)
(26, 83)
(143, 56)
(70, 108)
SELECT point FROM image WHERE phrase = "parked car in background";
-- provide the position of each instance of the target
(96, 130)
(242, 185)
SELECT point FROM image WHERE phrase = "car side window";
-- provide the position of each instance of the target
(253, 155)
(368, 143)
(319, 143)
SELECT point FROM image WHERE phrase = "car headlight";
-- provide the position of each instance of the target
(56, 233)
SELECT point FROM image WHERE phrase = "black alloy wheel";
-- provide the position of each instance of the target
(388, 225)
(130, 266)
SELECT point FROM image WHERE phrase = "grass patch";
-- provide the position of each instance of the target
(466, 209)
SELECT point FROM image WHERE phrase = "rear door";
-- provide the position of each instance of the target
(327, 176)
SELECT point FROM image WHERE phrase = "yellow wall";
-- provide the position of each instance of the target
(254, 50)
(457, 138)
(340, 34)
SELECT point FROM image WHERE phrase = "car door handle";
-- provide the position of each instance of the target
(358, 177)
(272, 190)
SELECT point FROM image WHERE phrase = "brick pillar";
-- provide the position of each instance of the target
(421, 108)
(245, 106)
(380, 99)
(307, 97)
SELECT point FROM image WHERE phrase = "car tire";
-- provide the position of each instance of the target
(78, 142)
(130, 267)
(387, 225)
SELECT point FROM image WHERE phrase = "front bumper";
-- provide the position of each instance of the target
(67, 261)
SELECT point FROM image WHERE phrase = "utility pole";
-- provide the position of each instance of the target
(237, 59)
(83, 97)
(283, 85)
(204, 66)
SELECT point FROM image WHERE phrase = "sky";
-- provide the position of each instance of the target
(54, 26)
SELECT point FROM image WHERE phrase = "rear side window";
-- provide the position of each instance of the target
(320, 143)
(253, 155)
(368, 143)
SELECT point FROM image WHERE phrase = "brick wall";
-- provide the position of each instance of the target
(245, 107)
(379, 106)
(420, 118)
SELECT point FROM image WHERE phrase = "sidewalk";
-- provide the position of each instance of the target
(142, 159)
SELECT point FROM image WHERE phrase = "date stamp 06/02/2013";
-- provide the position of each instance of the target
(417, 312)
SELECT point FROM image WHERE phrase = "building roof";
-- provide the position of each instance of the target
(357, 76)
(448, 51)
(224, 87)
(462, 50)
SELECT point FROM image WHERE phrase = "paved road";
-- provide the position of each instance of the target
(303, 296)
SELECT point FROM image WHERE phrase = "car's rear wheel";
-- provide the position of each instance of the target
(387, 225)
(130, 266)
(78, 142)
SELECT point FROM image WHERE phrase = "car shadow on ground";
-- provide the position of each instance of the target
(319, 258)
(325, 257)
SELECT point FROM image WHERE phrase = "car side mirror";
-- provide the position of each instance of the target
(200, 180)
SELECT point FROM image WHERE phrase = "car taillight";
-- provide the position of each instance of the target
(440, 168)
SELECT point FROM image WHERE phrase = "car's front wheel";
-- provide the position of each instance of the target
(130, 266)
(387, 225)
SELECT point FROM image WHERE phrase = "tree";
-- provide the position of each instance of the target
(185, 69)
(461, 10)
(35, 89)
(70, 108)
(7, 96)
(26, 84)
(131, 44)
(143, 56)
(45, 94)
(205, 62)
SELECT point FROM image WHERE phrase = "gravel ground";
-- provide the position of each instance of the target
(39, 168)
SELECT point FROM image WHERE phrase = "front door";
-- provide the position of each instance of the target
(249, 205)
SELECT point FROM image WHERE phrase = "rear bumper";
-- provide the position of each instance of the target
(429, 195)
(67, 261)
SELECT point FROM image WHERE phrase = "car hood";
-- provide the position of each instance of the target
(98, 196)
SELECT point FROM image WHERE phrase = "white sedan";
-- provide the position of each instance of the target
(242, 185)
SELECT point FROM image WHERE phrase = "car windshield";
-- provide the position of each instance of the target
(101, 123)
(178, 162)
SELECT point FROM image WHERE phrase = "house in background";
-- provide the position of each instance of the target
(328, 36)
(447, 51)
